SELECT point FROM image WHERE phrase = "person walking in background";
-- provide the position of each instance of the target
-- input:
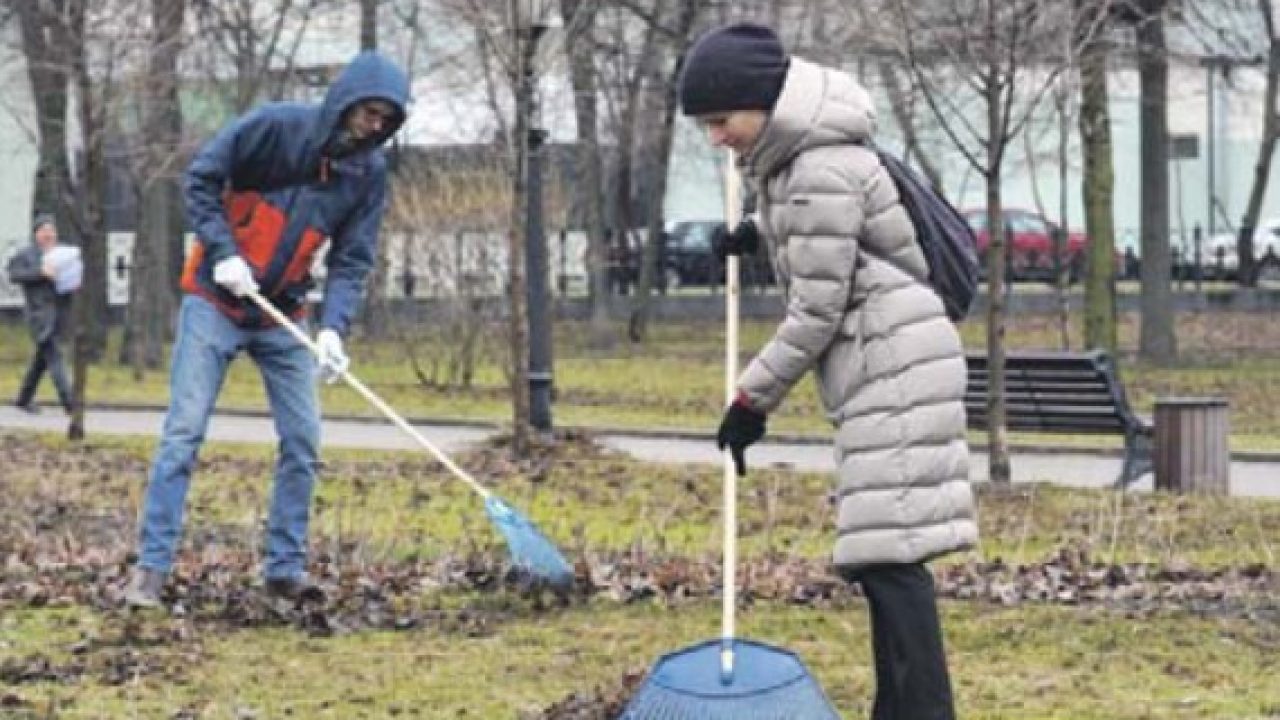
(861, 314)
(263, 196)
(45, 305)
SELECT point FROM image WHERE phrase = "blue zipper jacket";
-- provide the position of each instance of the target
(276, 183)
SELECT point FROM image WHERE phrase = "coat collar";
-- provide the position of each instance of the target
(817, 106)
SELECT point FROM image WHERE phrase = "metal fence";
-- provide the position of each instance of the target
(416, 267)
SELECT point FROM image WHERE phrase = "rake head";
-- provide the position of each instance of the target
(767, 683)
(531, 551)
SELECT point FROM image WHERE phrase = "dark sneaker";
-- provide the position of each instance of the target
(143, 590)
(297, 589)
(28, 407)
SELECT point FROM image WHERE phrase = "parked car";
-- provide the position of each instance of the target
(687, 257)
(1030, 241)
(1220, 259)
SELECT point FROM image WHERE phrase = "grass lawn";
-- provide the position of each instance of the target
(1028, 662)
(1194, 643)
(674, 379)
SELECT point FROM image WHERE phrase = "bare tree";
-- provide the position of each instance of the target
(864, 38)
(1064, 105)
(376, 312)
(502, 43)
(157, 170)
(44, 41)
(1060, 101)
(630, 52)
(1248, 268)
(524, 31)
(579, 18)
(254, 43)
(451, 222)
(499, 60)
(657, 149)
(902, 104)
(72, 50)
(369, 24)
(1156, 340)
(1098, 179)
(983, 66)
(87, 216)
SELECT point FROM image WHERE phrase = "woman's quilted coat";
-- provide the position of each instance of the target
(861, 314)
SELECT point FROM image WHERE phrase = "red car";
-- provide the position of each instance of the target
(1030, 245)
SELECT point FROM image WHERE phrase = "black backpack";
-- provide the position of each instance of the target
(946, 239)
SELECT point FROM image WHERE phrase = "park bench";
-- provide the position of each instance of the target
(1071, 393)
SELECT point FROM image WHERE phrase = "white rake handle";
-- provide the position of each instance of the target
(369, 395)
(729, 591)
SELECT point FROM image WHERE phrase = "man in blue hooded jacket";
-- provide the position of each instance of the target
(262, 197)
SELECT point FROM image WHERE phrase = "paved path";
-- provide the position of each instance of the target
(1078, 469)
(1260, 478)
(374, 435)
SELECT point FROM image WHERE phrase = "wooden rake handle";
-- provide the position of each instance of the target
(732, 292)
(283, 321)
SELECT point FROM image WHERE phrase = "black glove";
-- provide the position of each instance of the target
(744, 240)
(739, 429)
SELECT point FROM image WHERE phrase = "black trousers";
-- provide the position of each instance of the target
(912, 682)
(47, 357)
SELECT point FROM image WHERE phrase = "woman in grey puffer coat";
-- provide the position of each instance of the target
(861, 314)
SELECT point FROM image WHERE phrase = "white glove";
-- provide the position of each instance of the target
(234, 274)
(333, 360)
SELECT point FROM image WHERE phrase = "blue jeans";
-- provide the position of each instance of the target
(207, 343)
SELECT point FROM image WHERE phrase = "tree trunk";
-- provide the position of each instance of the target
(248, 80)
(1262, 167)
(91, 186)
(998, 458)
(579, 16)
(1057, 231)
(159, 220)
(377, 317)
(899, 104)
(43, 44)
(622, 199)
(517, 289)
(1062, 102)
(91, 304)
(368, 24)
(997, 124)
(660, 152)
(1096, 188)
(1156, 340)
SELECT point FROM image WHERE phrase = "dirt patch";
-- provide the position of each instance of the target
(603, 703)
(66, 541)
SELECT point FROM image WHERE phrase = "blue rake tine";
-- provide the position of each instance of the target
(754, 681)
(768, 683)
(531, 551)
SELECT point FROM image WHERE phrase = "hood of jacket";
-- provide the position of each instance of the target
(817, 106)
(370, 76)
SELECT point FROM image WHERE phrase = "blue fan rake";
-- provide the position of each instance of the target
(730, 678)
(531, 552)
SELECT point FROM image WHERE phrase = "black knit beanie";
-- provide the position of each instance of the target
(735, 67)
(42, 219)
